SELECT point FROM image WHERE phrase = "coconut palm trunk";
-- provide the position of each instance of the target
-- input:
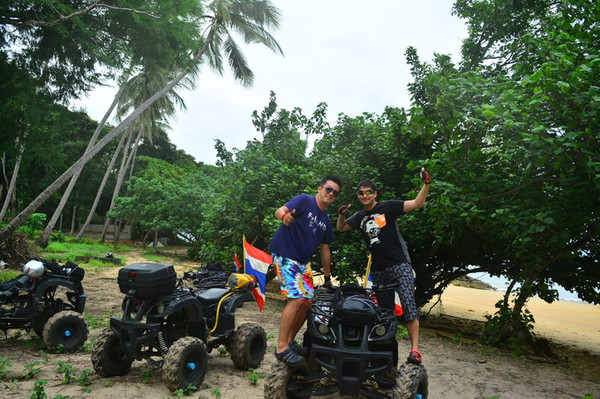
(248, 17)
(13, 180)
(125, 162)
(42, 240)
(107, 173)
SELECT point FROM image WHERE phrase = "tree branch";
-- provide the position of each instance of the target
(96, 4)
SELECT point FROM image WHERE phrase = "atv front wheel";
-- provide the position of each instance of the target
(411, 382)
(185, 364)
(248, 346)
(284, 382)
(65, 332)
(108, 357)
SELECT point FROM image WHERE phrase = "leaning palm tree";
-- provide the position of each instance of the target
(138, 89)
(248, 18)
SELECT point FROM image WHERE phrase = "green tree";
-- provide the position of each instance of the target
(162, 198)
(515, 144)
(250, 18)
(253, 182)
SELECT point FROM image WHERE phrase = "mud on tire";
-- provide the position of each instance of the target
(185, 364)
(283, 382)
(410, 381)
(248, 346)
(65, 332)
(108, 357)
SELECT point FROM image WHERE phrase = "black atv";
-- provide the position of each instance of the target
(49, 299)
(174, 323)
(353, 351)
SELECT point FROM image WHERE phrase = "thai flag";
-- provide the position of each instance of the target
(236, 262)
(256, 263)
(369, 283)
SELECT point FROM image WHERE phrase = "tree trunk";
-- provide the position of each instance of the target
(10, 193)
(129, 160)
(18, 220)
(145, 238)
(120, 178)
(73, 219)
(3, 162)
(42, 240)
(88, 220)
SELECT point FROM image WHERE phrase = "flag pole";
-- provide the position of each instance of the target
(367, 273)
(244, 246)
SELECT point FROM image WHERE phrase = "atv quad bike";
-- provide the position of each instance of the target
(174, 326)
(49, 299)
(352, 351)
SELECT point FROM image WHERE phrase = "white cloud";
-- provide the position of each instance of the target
(347, 53)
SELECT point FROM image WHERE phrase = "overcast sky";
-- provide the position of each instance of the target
(347, 53)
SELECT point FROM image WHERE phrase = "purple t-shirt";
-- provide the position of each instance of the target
(299, 241)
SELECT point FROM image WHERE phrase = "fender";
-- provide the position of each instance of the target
(227, 321)
(189, 303)
(78, 302)
(194, 314)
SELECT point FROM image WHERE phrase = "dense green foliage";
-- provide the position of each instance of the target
(510, 137)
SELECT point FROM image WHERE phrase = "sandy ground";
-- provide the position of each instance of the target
(570, 323)
(457, 367)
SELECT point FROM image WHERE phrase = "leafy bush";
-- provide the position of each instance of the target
(506, 330)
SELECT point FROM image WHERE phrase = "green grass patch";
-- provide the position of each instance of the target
(65, 251)
(87, 248)
(152, 256)
(8, 274)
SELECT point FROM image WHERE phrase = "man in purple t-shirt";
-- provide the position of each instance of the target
(378, 223)
(304, 227)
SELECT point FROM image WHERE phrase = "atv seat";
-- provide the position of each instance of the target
(12, 286)
(211, 295)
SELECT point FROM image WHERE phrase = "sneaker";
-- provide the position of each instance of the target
(301, 350)
(414, 357)
(289, 357)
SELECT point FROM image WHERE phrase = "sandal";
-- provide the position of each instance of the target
(299, 349)
(415, 357)
(289, 357)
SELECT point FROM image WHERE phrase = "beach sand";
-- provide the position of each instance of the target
(457, 368)
(566, 322)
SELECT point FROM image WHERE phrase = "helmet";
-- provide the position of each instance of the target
(33, 268)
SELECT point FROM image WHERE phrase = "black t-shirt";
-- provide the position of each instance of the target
(379, 228)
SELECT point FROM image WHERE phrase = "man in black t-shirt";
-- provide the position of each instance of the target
(378, 223)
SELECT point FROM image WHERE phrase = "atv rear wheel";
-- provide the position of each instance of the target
(185, 364)
(65, 332)
(108, 357)
(411, 382)
(248, 346)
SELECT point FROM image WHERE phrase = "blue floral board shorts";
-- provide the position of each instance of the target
(295, 278)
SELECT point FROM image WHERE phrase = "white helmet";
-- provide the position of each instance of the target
(33, 268)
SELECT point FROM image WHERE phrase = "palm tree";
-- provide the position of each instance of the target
(43, 238)
(137, 90)
(248, 18)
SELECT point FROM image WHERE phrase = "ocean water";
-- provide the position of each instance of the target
(501, 283)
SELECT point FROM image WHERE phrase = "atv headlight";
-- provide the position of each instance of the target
(380, 330)
(323, 329)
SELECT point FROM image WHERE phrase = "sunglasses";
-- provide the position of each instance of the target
(331, 190)
(365, 192)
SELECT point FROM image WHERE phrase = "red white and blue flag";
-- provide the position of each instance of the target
(256, 263)
(236, 261)
(368, 283)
